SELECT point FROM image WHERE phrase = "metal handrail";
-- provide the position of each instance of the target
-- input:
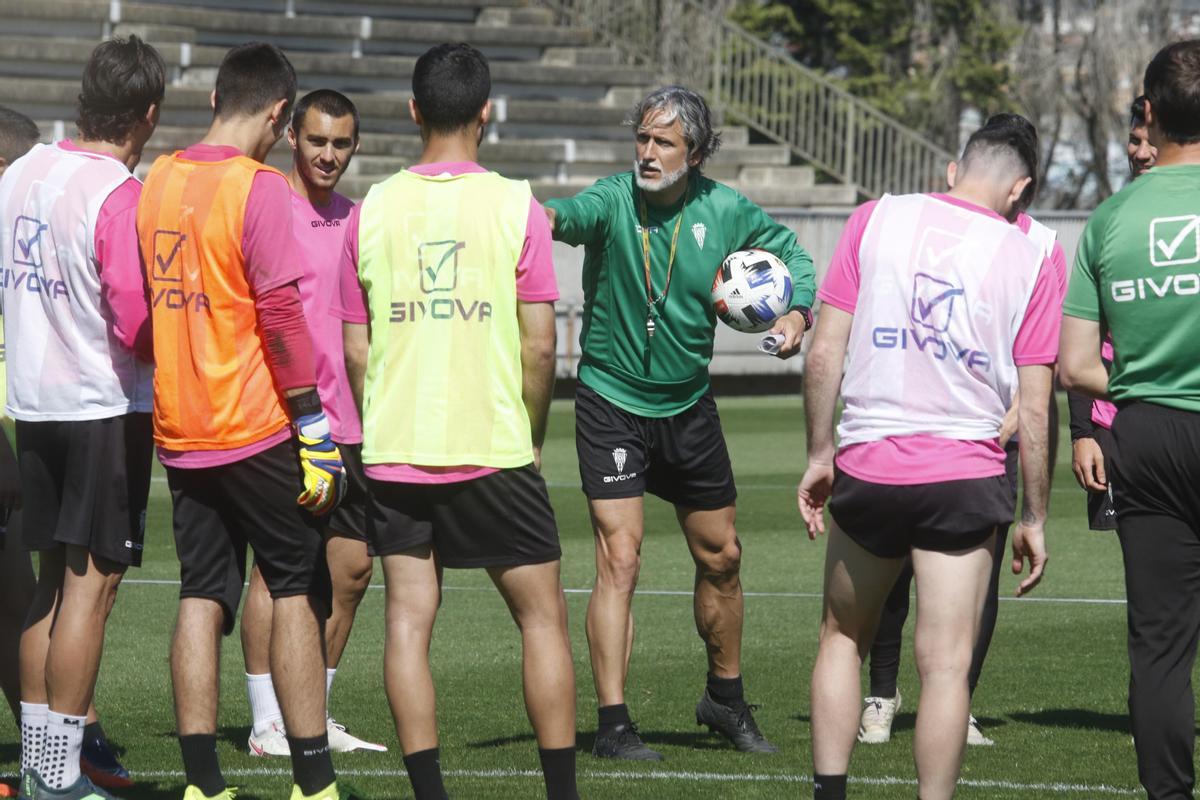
(764, 88)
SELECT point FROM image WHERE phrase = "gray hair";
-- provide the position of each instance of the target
(679, 102)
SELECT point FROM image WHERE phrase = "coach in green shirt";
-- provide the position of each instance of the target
(645, 416)
(1137, 275)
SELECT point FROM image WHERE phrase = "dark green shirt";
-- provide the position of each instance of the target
(1137, 273)
(663, 375)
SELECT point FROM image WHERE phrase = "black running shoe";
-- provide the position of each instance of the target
(734, 722)
(623, 741)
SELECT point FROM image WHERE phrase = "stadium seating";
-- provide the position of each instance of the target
(560, 99)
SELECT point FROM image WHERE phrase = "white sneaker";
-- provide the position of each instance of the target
(272, 743)
(975, 735)
(877, 716)
(342, 741)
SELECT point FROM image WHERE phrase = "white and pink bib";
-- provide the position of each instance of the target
(64, 363)
(943, 293)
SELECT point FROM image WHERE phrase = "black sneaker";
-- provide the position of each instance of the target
(734, 722)
(623, 741)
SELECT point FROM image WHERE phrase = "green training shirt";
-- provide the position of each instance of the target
(661, 375)
(1137, 273)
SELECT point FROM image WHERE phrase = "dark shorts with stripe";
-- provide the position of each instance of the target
(682, 458)
(220, 510)
(86, 483)
(349, 519)
(889, 520)
(500, 520)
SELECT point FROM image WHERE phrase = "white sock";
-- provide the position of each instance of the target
(59, 766)
(329, 673)
(264, 706)
(33, 734)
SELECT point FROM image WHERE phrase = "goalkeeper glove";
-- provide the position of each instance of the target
(321, 464)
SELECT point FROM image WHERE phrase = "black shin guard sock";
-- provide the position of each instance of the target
(425, 772)
(200, 763)
(559, 768)
(612, 716)
(725, 691)
(829, 787)
(312, 764)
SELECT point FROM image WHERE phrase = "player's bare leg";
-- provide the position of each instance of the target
(535, 598)
(718, 606)
(195, 665)
(298, 665)
(77, 641)
(950, 594)
(414, 592)
(618, 528)
(350, 568)
(414, 589)
(856, 585)
(717, 601)
(267, 734)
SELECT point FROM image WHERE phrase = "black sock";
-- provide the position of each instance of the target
(200, 763)
(425, 772)
(829, 787)
(725, 691)
(612, 716)
(312, 764)
(559, 768)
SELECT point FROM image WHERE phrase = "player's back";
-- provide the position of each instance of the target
(438, 257)
(64, 361)
(212, 387)
(1143, 246)
(944, 288)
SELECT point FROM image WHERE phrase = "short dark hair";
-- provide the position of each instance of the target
(122, 79)
(18, 133)
(1172, 85)
(1018, 133)
(451, 83)
(253, 77)
(327, 101)
(1137, 112)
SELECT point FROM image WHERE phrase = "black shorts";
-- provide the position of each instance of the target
(349, 519)
(889, 521)
(1156, 463)
(219, 510)
(86, 483)
(1102, 515)
(500, 520)
(682, 458)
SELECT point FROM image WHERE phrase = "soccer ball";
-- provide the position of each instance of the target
(752, 289)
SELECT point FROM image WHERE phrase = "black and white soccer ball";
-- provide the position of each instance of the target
(751, 290)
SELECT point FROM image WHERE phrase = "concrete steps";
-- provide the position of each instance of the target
(559, 98)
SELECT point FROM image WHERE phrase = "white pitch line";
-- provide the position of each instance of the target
(682, 775)
(1091, 601)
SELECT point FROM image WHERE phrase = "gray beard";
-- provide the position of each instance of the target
(665, 182)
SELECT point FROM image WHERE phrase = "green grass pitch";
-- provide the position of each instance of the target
(1052, 693)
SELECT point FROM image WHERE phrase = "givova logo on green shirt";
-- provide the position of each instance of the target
(437, 266)
(1174, 241)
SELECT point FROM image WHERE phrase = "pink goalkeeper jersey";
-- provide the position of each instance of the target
(948, 300)
(536, 283)
(321, 233)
